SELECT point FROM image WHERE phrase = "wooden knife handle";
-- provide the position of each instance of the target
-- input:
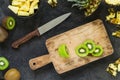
(20, 41)
(39, 62)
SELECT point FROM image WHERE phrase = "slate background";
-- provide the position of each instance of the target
(36, 47)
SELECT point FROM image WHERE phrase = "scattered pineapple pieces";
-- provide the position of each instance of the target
(53, 3)
(116, 34)
(92, 7)
(114, 68)
(23, 7)
(113, 17)
(113, 2)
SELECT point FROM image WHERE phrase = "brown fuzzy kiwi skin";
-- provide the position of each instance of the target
(3, 34)
(4, 22)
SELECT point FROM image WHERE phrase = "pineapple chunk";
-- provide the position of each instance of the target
(23, 13)
(31, 0)
(118, 14)
(16, 3)
(32, 7)
(14, 9)
(31, 11)
(34, 3)
(21, 0)
(24, 7)
(36, 6)
(53, 3)
(28, 3)
(113, 2)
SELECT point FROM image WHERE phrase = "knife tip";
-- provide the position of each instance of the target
(69, 13)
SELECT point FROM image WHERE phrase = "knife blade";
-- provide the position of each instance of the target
(41, 30)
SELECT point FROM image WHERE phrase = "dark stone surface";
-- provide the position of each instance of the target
(19, 57)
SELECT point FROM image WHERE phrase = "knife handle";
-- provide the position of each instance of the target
(26, 38)
(39, 62)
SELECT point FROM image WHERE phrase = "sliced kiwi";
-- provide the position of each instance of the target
(81, 50)
(8, 22)
(3, 63)
(90, 45)
(98, 51)
(63, 51)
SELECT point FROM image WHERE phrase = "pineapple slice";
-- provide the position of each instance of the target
(23, 13)
(14, 9)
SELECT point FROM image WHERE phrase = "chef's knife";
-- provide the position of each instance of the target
(41, 30)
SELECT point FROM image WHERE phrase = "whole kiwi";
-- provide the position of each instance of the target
(12, 74)
(3, 34)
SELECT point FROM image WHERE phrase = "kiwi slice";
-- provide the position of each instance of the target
(8, 22)
(90, 45)
(81, 50)
(3, 63)
(98, 51)
(63, 51)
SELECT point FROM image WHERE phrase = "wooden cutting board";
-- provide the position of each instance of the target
(94, 30)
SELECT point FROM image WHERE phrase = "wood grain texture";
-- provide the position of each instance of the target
(94, 30)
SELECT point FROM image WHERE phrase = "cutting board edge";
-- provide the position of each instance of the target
(47, 41)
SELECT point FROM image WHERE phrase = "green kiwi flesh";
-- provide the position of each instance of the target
(90, 45)
(81, 50)
(3, 63)
(8, 23)
(98, 51)
(63, 51)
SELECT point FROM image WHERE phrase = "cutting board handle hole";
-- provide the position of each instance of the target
(34, 63)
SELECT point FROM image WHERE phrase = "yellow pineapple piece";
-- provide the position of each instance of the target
(24, 7)
(32, 7)
(36, 6)
(13, 8)
(31, 0)
(23, 13)
(21, 0)
(113, 2)
(16, 3)
(118, 15)
(31, 11)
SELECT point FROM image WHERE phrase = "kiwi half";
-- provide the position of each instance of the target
(3, 63)
(63, 51)
(8, 22)
(90, 45)
(81, 50)
(98, 51)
